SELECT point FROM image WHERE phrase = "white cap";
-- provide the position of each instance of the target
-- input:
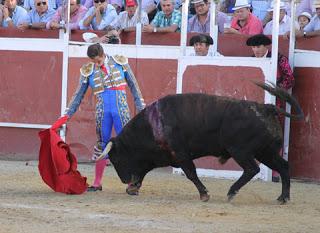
(306, 14)
(241, 4)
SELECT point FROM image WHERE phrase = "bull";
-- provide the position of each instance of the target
(175, 130)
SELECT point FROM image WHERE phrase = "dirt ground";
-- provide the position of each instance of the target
(167, 203)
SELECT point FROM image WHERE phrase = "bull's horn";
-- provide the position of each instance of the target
(105, 151)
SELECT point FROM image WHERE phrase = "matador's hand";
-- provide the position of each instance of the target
(61, 121)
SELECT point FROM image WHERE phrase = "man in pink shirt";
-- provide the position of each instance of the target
(77, 12)
(243, 21)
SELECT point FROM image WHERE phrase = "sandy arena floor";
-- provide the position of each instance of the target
(167, 203)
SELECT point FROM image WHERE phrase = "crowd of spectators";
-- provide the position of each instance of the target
(232, 17)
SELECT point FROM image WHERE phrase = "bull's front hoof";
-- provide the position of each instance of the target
(132, 190)
(231, 195)
(283, 200)
(204, 197)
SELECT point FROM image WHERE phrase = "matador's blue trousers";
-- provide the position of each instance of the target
(111, 110)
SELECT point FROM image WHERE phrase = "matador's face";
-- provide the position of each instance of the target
(99, 60)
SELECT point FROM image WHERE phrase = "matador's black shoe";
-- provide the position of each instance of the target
(94, 188)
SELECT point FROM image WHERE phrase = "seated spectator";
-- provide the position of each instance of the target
(77, 12)
(39, 17)
(30, 4)
(128, 19)
(244, 22)
(303, 19)
(284, 21)
(98, 16)
(167, 20)
(12, 14)
(201, 44)
(201, 21)
(313, 28)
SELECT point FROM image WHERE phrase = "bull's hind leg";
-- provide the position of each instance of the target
(277, 163)
(190, 171)
(250, 169)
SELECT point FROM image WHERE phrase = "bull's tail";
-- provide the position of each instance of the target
(285, 96)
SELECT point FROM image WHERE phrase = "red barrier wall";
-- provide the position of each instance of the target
(36, 77)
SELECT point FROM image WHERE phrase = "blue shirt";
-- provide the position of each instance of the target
(108, 16)
(34, 17)
(314, 24)
(19, 15)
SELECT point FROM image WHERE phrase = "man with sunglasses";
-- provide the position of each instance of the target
(108, 77)
(39, 17)
(99, 16)
(30, 4)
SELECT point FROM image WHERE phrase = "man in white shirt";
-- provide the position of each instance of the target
(128, 19)
(284, 21)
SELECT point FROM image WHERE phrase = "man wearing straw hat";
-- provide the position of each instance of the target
(244, 22)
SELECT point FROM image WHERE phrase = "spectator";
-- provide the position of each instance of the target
(30, 4)
(167, 20)
(77, 12)
(284, 21)
(39, 17)
(244, 22)
(303, 19)
(201, 44)
(98, 16)
(128, 19)
(12, 14)
(201, 21)
(313, 28)
(285, 78)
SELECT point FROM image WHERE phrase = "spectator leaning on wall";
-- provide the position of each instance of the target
(39, 17)
(167, 20)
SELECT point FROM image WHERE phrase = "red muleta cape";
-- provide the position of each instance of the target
(58, 166)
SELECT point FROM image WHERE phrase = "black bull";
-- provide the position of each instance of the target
(177, 129)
